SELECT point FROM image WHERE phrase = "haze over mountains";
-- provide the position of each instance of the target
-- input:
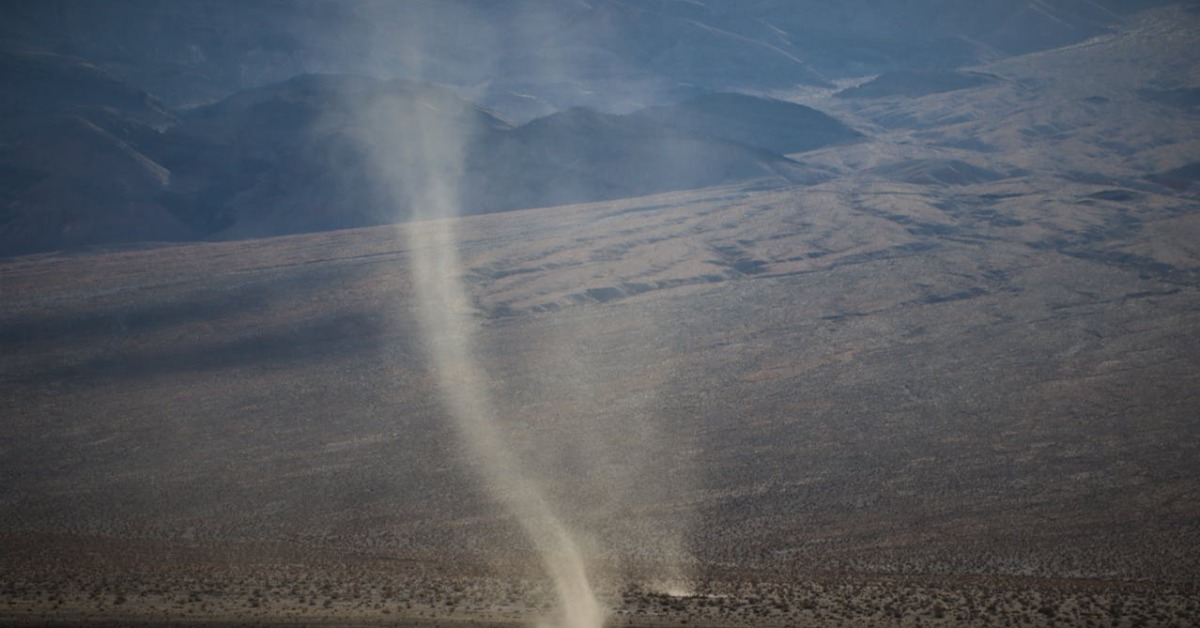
(867, 313)
(259, 150)
(283, 159)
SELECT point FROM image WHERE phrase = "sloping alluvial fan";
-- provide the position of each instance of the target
(916, 83)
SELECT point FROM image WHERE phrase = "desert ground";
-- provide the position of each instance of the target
(956, 382)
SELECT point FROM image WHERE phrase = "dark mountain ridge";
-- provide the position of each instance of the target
(291, 158)
(38, 82)
(583, 155)
(774, 125)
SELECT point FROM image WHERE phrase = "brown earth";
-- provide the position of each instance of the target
(873, 401)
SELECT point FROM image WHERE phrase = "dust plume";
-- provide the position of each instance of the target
(418, 147)
(419, 141)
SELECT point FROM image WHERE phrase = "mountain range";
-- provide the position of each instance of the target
(119, 168)
(143, 121)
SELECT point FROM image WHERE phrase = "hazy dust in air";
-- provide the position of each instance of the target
(417, 146)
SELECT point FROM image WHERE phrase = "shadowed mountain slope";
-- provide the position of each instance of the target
(73, 184)
(775, 125)
(74, 169)
(277, 158)
(37, 82)
(582, 155)
(289, 158)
